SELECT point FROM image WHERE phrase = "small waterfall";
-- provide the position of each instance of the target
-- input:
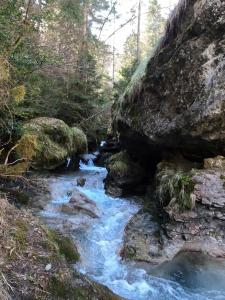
(103, 143)
(90, 163)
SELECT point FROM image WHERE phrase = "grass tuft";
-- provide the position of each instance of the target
(178, 186)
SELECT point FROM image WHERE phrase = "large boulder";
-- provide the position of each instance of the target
(178, 102)
(48, 142)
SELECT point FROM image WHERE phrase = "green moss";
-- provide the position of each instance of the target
(121, 156)
(23, 198)
(58, 288)
(18, 93)
(14, 170)
(21, 232)
(79, 140)
(28, 146)
(65, 245)
(119, 164)
(64, 290)
(120, 168)
(47, 142)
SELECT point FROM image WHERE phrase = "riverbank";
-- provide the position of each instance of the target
(100, 240)
(38, 262)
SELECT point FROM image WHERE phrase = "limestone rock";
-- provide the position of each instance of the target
(179, 101)
(172, 227)
(80, 204)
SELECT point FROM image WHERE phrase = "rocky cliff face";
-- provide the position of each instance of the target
(179, 102)
(176, 109)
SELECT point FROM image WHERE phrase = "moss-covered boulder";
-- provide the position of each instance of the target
(125, 176)
(48, 142)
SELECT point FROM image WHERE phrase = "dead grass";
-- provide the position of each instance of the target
(26, 248)
(24, 256)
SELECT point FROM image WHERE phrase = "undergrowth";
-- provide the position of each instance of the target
(178, 186)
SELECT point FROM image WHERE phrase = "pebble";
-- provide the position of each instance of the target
(48, 267)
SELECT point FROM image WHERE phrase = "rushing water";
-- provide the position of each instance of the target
(100, 243)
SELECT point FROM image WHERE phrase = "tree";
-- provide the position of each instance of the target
(155, 27)
(129, 64)
(51, 61)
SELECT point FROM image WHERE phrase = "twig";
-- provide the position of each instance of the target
(16, 176)
(96, 114)
(120, 27)
(18, 160)
(10, 151)
(6, 282)
(107, 18)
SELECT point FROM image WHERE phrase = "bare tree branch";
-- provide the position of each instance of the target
(107, 18)
(120, 27)
(96, 114)
(10, 151)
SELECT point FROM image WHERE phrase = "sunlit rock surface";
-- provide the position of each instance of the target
(187, 214)
(179, 101)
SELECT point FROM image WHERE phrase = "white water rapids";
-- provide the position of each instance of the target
(100, 244)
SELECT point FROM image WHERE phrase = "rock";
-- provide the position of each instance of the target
(81, 181)
(48, 267)
(124, 177)
(188, 215)
(80, 204)
(102, 158)
(48, 142)
(178, 103)
(142, 239)
(195, 270)
(210, 187)
(217, 162)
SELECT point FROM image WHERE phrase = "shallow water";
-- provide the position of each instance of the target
(100, 244)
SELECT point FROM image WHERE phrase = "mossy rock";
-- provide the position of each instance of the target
(85, 290)
(48, 142)
(120, 164)
(125, 176)
(65, 245)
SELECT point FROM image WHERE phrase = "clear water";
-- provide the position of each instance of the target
(100, 243)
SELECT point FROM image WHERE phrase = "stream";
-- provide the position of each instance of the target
(99, 245)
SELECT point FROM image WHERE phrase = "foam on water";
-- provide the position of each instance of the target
(101, 242)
